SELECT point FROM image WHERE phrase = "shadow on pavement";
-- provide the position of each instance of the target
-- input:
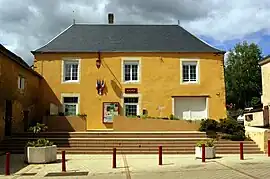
(16, 163)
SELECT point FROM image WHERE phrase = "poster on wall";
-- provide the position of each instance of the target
(110, 109)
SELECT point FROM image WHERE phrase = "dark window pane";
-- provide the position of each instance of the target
(134, 72)
(131, 100)
(185, 72)
(131, 110)
(70, 99)
(127, 73)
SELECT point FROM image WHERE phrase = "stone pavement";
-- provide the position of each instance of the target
(143, 167)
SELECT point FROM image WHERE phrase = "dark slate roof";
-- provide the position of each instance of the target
(126, 38)
(12, 56)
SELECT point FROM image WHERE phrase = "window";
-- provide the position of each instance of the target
(70, 106)
(21, 82)
(189, 72)
(131, 106)
(131, 71)
(71, 71)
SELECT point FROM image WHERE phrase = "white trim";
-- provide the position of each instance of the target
(55, 37)
(207, 108)
(63, 69)
(70, 95)
(126, 59)
(124, 95)
(173, 106)
(198, 75)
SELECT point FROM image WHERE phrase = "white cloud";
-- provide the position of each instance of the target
(26, 25)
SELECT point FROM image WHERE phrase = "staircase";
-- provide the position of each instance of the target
(126, 142)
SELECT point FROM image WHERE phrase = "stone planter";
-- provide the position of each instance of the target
(210, 152)
(40, 154)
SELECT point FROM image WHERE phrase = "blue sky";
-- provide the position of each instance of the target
(259, 38)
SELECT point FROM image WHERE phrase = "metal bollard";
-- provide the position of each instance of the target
(241, 151)
(114, 158)
(203, 152)
(7, 171)
(268, 148)
(160, 155)
(63, 161)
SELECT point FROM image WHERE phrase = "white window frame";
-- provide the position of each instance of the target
(190, 62)
(132, 96)
(63, 95)
(21, 82)
(131, 61)
(71, 60)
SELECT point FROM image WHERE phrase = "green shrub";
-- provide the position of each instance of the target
(39, 143)
(236, 136)
(38, 128)
(209, 125)
(208, 143)
(172, 117)
(230, 126)
(212, 134)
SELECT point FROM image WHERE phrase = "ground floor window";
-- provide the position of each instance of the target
(131, 106)
(70, 106)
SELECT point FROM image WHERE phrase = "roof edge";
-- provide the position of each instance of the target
(221, 51)
(15, 58)
(265, 60)
(35, 51)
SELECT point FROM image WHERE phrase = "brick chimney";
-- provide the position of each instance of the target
(110, 18)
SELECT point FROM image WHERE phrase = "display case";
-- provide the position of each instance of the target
(110, 109)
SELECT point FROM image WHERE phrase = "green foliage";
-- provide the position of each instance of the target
(208, 143)
(236, 136)
(230, 126)
(209, 125)
(38, 128)
(243, 75)
(39, 143)
(172, 117)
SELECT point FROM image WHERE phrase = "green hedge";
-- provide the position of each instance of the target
(230, 127)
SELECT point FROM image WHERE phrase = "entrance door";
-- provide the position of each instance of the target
(8, 118)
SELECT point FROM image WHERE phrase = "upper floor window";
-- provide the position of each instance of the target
(71, 71)
(131, 71)
(71, 105)
(189, 72)
(21, 82)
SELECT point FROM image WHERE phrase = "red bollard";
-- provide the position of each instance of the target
(7, 172)
(241, 151)
(160, 155)
(63, 161)
(268, 148)
(203, 152)
(114, 158)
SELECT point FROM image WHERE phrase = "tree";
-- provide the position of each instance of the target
(243, 75)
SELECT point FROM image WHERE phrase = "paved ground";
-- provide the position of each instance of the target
(144, 167)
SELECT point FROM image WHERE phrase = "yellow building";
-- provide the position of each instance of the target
(19, 86)
(157, 70)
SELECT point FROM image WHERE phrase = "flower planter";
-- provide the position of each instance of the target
(210, 152)
(40, 154)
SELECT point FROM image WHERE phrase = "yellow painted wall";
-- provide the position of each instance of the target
(160, 80)
(21, 100)
(265, 70)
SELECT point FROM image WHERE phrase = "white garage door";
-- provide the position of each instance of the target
(190, 107)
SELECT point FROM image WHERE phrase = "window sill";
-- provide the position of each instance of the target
(131, 82)
(190, 83)
(70, 82)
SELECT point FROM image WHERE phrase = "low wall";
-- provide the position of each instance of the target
(121, 123)
(65, 123)
(259, 135)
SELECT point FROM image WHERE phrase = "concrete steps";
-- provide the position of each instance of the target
(126, 142)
